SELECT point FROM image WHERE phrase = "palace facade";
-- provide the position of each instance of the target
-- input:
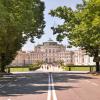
(51, 52)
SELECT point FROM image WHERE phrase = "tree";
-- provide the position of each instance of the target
(36, 65)
(39, 63)
(81, 26)
(20, 20)
(60, 62)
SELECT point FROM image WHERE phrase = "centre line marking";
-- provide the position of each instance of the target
(49, 88)
(53, 89)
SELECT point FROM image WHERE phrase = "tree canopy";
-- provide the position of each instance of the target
(19, 20)
(81, 26)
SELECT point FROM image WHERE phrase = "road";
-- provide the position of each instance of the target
(50, 86)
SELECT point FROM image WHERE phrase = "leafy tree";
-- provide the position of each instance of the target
(81, 26)
(39, 63)
(20, 20)
(36, 65)
(60, 62)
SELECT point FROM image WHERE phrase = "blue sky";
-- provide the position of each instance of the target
(51, 21)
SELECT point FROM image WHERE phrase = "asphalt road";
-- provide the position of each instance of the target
(50, 86)
(76, 86)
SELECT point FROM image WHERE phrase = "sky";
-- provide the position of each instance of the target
(51, 21)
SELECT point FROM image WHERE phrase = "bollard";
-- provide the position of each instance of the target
(69, 68)
(91, 68)
(8, 70)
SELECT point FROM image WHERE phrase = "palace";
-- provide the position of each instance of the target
(51, 52)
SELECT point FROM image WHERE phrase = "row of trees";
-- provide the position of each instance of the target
(81, 26)
(20, 20)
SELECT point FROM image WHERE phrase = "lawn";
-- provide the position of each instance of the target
(23, 68)
(78, 68)
(19, 69)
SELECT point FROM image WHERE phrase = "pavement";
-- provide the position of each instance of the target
(50, 85)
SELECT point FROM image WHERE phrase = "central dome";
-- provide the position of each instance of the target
(50, 42)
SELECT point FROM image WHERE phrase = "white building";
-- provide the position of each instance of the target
(51, 52)
(80, 58)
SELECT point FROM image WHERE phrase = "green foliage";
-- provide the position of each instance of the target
(19, 20)
(36, 65)
(34, 68)
(81, 26)
(60, 62)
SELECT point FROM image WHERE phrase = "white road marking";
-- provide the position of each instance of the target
(95, 84)
(53, 89)
(8, 99)
(87, 81)
(71, 79)
(49, 88)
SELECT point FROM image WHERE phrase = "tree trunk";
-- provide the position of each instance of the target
(2, 65)
(2, 69)
(97, 67)
(97, 60)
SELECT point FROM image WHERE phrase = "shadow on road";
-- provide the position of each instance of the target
(69, 77)
(35, 83)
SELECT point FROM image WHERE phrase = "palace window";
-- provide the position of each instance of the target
(46, 50)
(53, 50)
(49, 50)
